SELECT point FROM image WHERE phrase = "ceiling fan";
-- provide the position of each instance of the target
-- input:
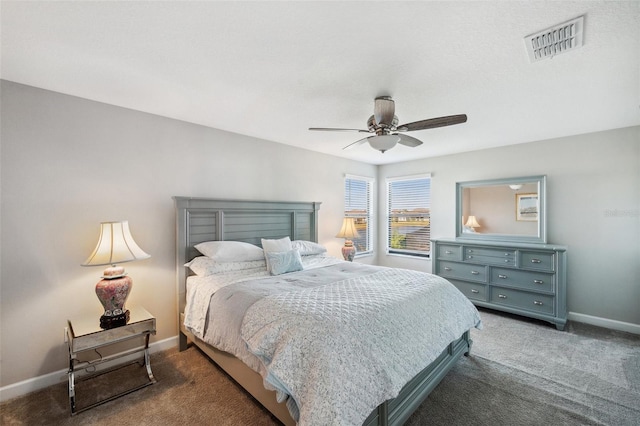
(384, 123)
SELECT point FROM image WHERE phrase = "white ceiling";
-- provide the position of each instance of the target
(273, 69)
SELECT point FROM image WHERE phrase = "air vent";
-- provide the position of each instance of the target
(555, 40)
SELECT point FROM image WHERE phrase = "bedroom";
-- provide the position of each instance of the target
(69, 163)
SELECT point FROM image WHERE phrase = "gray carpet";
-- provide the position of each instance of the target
(521, 372)
(524, 372)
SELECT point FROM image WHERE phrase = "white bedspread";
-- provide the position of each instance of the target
(201, 289)
(343, 348)
(339, 340)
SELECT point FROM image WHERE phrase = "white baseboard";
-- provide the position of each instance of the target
(30, 385)
(604, 322)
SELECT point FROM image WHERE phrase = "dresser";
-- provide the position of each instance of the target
(521, 278)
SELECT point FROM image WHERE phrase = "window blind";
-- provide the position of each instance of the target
(357, 204)
(409, 216)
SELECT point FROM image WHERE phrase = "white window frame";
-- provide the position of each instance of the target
(368, 215)
(420, 254)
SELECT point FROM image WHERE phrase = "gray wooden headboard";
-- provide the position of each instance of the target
(205, 219)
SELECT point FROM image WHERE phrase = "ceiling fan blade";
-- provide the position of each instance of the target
(384, 110)
(432, 123)
(408, 140)
(331, 129)
(356, 143)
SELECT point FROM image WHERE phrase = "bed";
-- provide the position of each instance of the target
(200, 220)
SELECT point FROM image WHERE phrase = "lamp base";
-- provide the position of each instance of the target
(113, 291)
(113, 321)
(348, 252)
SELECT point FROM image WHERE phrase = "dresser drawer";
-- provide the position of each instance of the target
(490, 256)
(537, 260)
(489, 260)
(473, 291)
(449, 252)
(463, 271)
(529, 280)
(492, 252)
(522, 300)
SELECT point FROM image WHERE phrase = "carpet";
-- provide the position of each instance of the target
(520, 372)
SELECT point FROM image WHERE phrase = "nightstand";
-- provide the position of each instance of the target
(85, 335)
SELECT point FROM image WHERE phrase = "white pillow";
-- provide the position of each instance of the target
(271, 246)
(282, 262)
(204, 266)
(283, 244)
(307, 248)
(230, 251)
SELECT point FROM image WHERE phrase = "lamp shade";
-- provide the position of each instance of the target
(348, 229)
(115, 245)
(472, 222)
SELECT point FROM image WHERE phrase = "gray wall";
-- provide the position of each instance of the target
(69, 163)
(593, 206)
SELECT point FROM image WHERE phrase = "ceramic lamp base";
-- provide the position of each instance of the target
(113, 321)
(348, 251)
(113, 291)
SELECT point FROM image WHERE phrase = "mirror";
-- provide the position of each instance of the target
(511, 209)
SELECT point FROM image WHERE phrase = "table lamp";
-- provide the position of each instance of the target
(472, 222)
(115, 245)
(348, 232)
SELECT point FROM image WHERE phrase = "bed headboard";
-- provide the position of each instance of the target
(205, 219)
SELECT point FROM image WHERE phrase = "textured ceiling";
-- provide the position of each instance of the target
(273, 69)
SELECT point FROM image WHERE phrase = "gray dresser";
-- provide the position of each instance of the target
(520, 278)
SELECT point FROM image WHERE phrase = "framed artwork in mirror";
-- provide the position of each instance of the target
(527, 207)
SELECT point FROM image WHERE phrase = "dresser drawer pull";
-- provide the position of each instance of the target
(504, 277)
(502, 296)
(537, 302)
(446, 268)
(473, 290)
(506, 261)
(536, 261)
(507, 254)
(475, 272)
(469, 251)
(448, 252)
(469, 257)
(538, 282)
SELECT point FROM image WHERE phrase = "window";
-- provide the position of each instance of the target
(408, 212)
(357, 204)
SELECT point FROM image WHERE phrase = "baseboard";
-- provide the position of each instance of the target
(605, 322)
(30, 385)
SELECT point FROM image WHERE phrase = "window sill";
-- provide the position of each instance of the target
(365, 254)
(409, 256)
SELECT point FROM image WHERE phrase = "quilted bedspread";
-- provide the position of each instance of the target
(341, 348)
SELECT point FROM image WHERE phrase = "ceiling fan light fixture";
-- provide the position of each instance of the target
(384, 142)
(384, 124)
